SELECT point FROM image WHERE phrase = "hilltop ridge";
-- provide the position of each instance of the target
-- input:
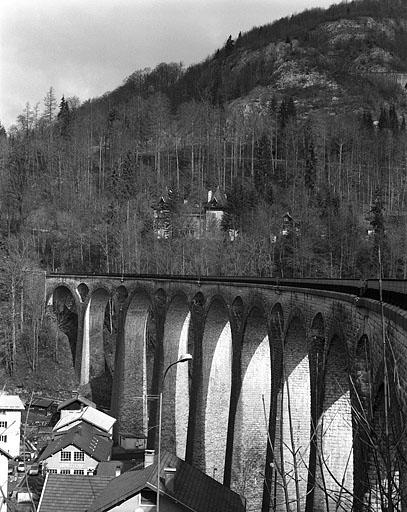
(317, 55)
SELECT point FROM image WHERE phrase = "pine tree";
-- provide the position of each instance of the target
(64, 117)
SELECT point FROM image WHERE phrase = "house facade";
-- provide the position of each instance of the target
(71, 460)
(11, 407)
(77, 451)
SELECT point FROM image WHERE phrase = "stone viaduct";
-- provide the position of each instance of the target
(295, 396)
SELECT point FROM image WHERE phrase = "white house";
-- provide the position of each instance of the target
(4, 457)
(77, 451)
(74, 405)
(89, 415)
(10, 423)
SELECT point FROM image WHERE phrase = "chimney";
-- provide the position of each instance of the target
(209, 195)
(169, 477)
(148, 458)
(118, 471)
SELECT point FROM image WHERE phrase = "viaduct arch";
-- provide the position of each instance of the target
(284, 398)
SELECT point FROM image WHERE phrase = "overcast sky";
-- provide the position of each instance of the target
(88, 47)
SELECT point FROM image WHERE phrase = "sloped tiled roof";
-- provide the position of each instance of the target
(11, 403)
(192, 488)
(70, 493)
(79, 398)
(89, 414)
(83, 436)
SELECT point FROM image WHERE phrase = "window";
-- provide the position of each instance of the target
(65, 456)
(3, 439)
(52, 471)
(78, 472)
(65, 471)
(3, 424)
(78, 456)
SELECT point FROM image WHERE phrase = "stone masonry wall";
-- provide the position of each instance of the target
(211, 382)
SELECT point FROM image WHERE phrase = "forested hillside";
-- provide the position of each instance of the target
(304, 116)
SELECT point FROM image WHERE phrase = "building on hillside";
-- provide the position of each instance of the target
(11, 407)
(74, 405)
(193, 218)
(90, 415)
(162, 223)
(182, 487)
(77, 451)
(70, 493)
(4, 458)
(215, 209)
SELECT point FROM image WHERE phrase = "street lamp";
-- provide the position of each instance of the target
(182, 359)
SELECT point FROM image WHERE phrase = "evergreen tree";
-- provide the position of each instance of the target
(64, 117)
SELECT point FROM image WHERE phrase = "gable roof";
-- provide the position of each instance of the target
(70, 493)
(85, 437)
(191, 488)
(90, 415)
(11, 403)
(79, 398)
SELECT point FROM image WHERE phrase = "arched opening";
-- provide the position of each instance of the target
(335, 436)
(293, 419)
(66, 316)
(252, 414)
(131, 379)
(83, 291)
(214, 400)
(237, 310)
(177, 384)
(387, 457)
(99, 346)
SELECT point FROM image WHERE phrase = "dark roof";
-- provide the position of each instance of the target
(70, 493)
(42, 403)
(83, 436)
(108, 468)
(192, 488)
(80, 399)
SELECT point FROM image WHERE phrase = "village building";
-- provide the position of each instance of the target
(77, 451)
(162, 223)
(89, 415)
(215, 209)
(4, 458)
(70, 493)
(11, 407)
(74, 405)
(182, 487)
